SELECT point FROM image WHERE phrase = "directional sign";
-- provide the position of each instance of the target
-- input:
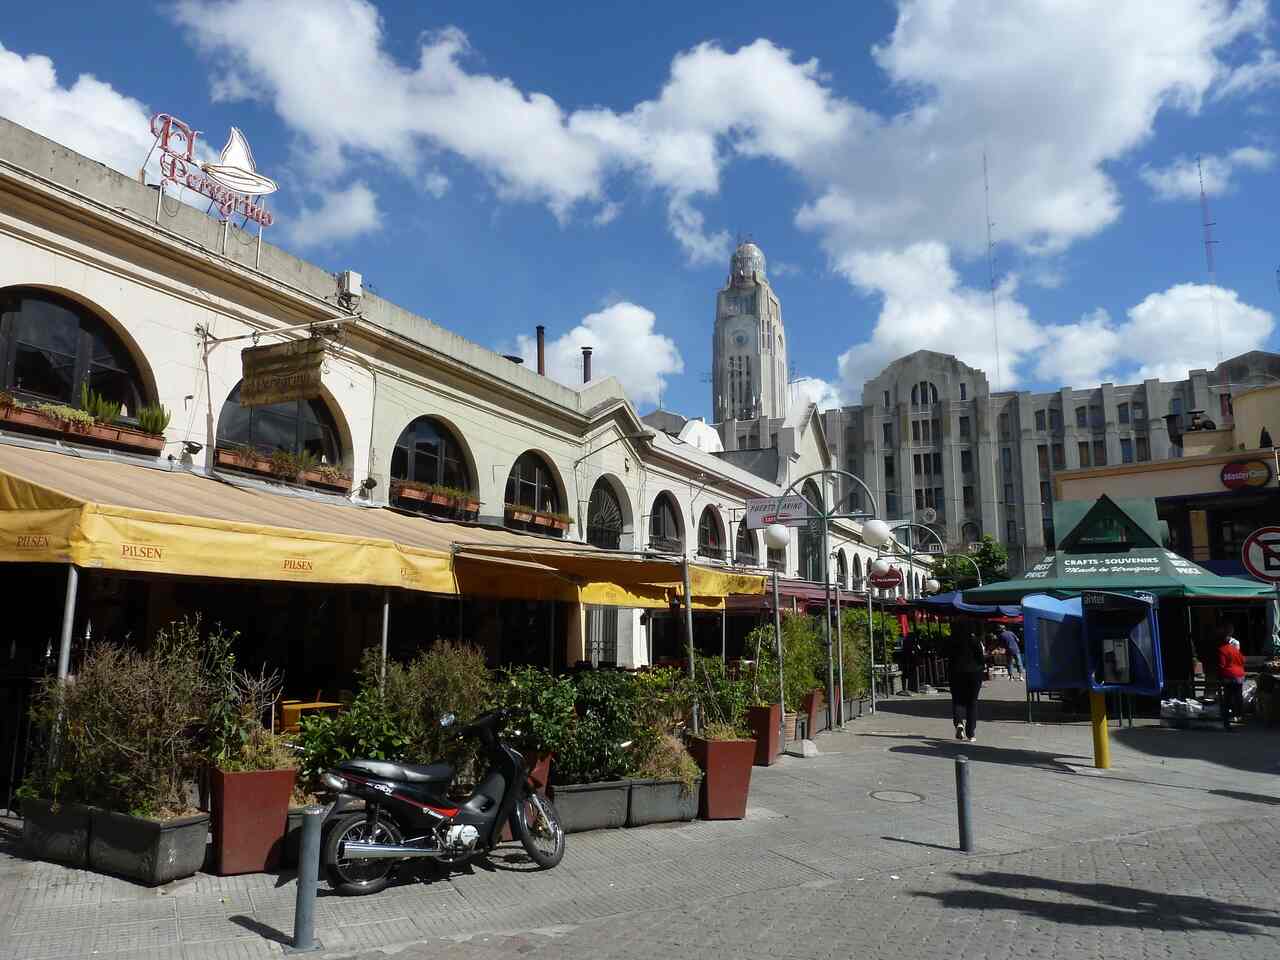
(1261, 554)
(765, 511)
(887, 580)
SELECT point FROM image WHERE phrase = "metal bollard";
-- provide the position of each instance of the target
(962, 804)
(304, 913)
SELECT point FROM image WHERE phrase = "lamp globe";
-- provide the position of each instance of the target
(876, 533)
(881, 565)
(777, 536)
(932, 586)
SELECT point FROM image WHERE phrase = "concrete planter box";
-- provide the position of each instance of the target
(766, 724)
(661, 801)
(59, 833)
(592, 806)
(726, 767)
(149, 851)
(250, 813)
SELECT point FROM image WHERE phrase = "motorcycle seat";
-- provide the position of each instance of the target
(404, 772)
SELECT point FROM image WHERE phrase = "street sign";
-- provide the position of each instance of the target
(1261, 554)
(761, 512)
(887, 580)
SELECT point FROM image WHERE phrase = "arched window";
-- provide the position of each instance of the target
(778, 559)
(664, 525)
(710, 535)
(857, 570)
(531, 485)
(604, 517)
(915, 394)
(51, 347)
(842, 571)
(811, 563)
(290, 427)
(745, 547)
(428, 459)
(970, 533)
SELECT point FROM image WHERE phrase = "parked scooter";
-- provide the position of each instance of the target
(407, 813)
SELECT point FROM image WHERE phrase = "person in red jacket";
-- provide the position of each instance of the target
(1231, 676)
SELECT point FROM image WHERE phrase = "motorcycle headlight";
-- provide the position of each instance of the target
(333, 782)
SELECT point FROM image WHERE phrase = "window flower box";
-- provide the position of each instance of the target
(248, 460)
(115, 435)
(541, 520)
(107, 435)
(327, 481)
(518, 514)
(471, 505)
(408, 491)
(21, 417)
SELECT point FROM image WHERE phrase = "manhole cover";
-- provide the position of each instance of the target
(895, 796)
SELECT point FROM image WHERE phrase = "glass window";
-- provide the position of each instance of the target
(1144, 449)
(964, 428)
(919, 499)
(915, 394)
(1095, 417)
(966, 461)
(1041, 422)
(1126, 450)
(1046, 525)
(778, 559)
(710, 535)
(891, 504)
(915, 431)
(50, 346)
(887, 429)
(428, 452)
(1055, 418)
(812, 562)
(1006, 460)
(1042, 459)
(886, 400)
(1008, 493)
(1099, 453)
(1082, 416)
(888, 468)
(937, 463)
(1122, 413)
(1012, 531)
(1084, 454)
(937, 431)
(1059, 456)
(916, 464)
(292, 427)
(964, 392)
(1139, 412)
(968, 497)
(664, 525)
(604, 517)
(1004, 426)
(1046, 492)
(745, 547)
(532, 484)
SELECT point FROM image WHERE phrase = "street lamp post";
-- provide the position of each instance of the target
(874, 532)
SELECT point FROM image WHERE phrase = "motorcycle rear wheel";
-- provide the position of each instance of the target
(358, 876)
(539, 829)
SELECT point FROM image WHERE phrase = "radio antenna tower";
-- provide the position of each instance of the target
(1208, 260)
(991, 265)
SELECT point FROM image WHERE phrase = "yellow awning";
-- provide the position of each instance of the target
(105, 514)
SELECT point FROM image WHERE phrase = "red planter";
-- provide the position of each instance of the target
(765, 724)
(726, 769)
(314, 478)
(810, 706)
(32, 419)
(409, 493)
(519, 516)
(107, 435)
(250, 816)
(243, 460)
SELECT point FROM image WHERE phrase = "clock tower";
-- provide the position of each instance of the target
(749, 350)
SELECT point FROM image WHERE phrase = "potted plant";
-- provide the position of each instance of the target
(542, 716)
(252, 770)
(723, 747)
(409, 490)
(667, 787)
(589, 779)
(243, 458)
(330, 476)
(517, 513)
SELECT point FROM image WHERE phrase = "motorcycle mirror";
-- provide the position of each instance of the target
(447, 720)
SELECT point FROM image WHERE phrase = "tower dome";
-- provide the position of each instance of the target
(747, 261)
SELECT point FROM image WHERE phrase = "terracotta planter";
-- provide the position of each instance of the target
(31, 419)
(243, 460)
(765, 724)
(470, 506)
(542, 521)
(519, 516)
(811, 706)
(559, 524)
(440, 500)
(726, 769)
(250, 815)
(314, 478)
(539, 770)
(409, 493)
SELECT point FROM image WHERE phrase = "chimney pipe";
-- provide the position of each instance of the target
(586, 364)
(542, 350)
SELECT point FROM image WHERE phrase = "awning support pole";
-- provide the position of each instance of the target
(68, 621)
(840, 642)
(871, 646)
(777, 636)
(724, 629)
(386, 622)
(688, 626)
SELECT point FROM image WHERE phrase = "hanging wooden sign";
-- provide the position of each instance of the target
(281, 372)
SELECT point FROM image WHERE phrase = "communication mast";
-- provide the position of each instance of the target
(991, 265)
(1208, 260)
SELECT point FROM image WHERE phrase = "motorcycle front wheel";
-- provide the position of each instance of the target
(539, 829)
(358, 876)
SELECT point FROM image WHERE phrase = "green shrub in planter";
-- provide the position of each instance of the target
(605, 706)
(541, 707)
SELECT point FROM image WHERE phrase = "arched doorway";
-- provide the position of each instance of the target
(52, 348)
(429, 471)
(664, 525)
(604, 516)
(304, 429)
(710, 535)
(744, 551)
(533, 496)
(812, 566)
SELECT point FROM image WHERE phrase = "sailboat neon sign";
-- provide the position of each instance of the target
(229, 183)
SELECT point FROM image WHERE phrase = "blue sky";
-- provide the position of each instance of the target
(495, 166)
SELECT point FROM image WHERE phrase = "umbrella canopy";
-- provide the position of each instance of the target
(953, 602)
(1153, 570)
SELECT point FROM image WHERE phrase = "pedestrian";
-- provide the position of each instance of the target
(1230, 676)
(968, 661)
(1010, 641)
(907, 662)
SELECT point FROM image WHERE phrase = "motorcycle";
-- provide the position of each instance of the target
(407, 815)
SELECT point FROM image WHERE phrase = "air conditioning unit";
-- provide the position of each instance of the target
(350, 285)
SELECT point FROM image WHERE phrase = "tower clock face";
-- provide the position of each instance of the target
(740, 339)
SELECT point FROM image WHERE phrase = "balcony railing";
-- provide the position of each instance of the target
(665, 545)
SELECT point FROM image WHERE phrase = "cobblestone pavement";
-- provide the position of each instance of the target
(1174, 852)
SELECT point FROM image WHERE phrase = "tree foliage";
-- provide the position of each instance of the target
(992, 558)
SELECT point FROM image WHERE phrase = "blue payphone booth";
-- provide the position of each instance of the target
(1099, 641)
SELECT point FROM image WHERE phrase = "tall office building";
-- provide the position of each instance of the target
(749, 350)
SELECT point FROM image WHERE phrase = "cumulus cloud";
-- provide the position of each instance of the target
(814, 390)
(1181, 179)
(435, 183)
(341, 215)
(1249, 78)
(625, 345)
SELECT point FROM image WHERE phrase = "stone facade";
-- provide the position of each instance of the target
(749, 349)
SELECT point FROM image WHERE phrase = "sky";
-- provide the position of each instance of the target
(591, 166)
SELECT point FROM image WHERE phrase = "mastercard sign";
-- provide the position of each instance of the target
(1240, 474)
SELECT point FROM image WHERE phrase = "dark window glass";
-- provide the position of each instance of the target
(891, 504)
(428, 452)
(915, 460)
(532, 484)
(1126, 450)
(937, 463)
(664, 525)
(1008, 493)
(915, 431)
(919, 499)
(604, 517)
(1082, 416)
(292, 427)
(888, 468)
(888, 434)
(1144, 449)
(50, 345)
(1122, 413)
(1006, 459)
(1046, 492)
(1012, 530)
(1041, 423)
(968, 496)
(964, 428)
(1042, 458)
(964, 392)
(966, 461)
(1055, 419)
(778, 559)
(1095, 417)
(886, 399)
(1059, 456)
(1004, 426)
(710, 535)
(745, 548)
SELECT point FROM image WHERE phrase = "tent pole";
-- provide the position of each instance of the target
(688, 626)
(68, 621)
(777, 636)
(386, 621)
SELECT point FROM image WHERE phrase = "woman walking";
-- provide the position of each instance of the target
(968, 662)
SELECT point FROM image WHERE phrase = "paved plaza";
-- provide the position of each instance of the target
(1174, 852)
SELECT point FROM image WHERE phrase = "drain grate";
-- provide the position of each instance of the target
(895, 796)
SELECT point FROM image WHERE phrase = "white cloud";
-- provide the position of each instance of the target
(1078, 354)
(624, 345)
(341, 215)
(1181, 179)
(1249, 78)
(90, 116)
(813, 390)
(435, 183)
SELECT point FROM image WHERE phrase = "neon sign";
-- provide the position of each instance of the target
(230, 183)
